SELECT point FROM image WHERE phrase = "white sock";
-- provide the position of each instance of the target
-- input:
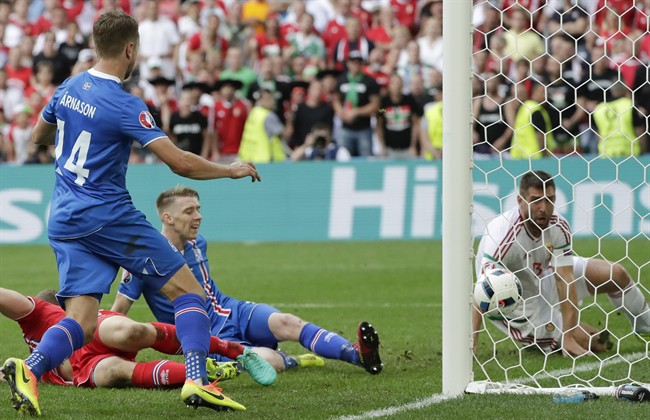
(634, 306)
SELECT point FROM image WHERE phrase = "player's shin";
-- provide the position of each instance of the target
(58, 344)
(327, 344)
(193, 331)
(158, 374)
(634, 305)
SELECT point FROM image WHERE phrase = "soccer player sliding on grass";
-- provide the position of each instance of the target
(109, 360)
(534, 242)
(259, 326)
(94, 227)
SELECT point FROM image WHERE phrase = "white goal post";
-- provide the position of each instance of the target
(460, 366)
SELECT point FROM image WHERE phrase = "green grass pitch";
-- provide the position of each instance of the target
(394, 285)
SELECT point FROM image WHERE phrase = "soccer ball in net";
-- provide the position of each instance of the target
(497, 293)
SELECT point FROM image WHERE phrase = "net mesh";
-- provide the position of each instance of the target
(562, 86)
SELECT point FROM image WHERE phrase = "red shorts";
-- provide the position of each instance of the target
(85, 359)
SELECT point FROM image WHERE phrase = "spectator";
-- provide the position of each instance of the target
(255, 13)
(405, 11)
(267, 79)
(208, 40)
(158, 38)
(293, 18)
(49, 53)
(43, 84)
(18, 23)
(18, 73)
(431, 130)
(235, 69)
(565, 103)
(162, 103)
(235, 30)
(596, 90)
(59, 28)
(533, 129)
(268, 43)
(71, 47)
(190, 22)
(615, 125)
(383, 25)
(335, 29)
(398, 122)
(353, 41)
(521, 41)
(319, 145)
(189, 128)
(17, 147)
(329, 80)
(261, 141)
(357, 100)
(572, 20)
(431, 43)
(44, 21)
(214, 7)
(420, 94)
(314, 110)
(306, 43)
(494, 118)
(10, 96)
(230, 118)
(409, 65)
(377, 69)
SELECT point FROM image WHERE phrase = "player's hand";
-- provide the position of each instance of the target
(244, 169)
(570, 347)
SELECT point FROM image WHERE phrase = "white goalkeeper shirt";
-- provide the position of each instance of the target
(508, 243)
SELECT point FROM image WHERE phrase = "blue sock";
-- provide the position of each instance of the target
(289, 362)
(328, 344)
(193, 332)
(58, 343)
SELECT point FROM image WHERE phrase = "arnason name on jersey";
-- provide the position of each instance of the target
(78, 105)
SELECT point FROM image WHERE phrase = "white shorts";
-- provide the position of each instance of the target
(538, 319)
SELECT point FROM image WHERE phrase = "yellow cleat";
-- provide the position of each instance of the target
(24, 386)
(194, 395)
(310, 360)
(221, 371)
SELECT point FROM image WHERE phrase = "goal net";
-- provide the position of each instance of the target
(562, 86)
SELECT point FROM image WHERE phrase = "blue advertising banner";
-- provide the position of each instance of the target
(362, 200)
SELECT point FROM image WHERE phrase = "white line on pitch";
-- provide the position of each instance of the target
(438, 398)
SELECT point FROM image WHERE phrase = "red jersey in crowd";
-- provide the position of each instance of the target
(405, 11)
(230, 119)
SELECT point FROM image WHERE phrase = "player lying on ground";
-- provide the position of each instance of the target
(94, 228)
(534, 242)
(109, 360)
(257, 325)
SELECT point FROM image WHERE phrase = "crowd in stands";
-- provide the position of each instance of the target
(282, 80)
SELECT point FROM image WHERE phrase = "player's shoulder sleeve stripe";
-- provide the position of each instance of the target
(152, 140)
(126, 296)
(49, 122)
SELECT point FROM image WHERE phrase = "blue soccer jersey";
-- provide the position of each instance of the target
(220, 306)
(97, 122)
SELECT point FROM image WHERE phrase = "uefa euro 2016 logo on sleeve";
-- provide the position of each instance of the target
(146, 119)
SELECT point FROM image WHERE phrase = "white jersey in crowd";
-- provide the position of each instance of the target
(507, 242)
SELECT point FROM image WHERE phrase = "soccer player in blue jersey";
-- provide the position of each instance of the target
(256, 325)
(94, 227)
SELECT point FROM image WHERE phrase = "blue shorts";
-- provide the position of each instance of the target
(88, 265)
(248, 324)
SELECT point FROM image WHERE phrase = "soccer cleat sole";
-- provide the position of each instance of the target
(370, 339)
(195, 401)
(20, 402)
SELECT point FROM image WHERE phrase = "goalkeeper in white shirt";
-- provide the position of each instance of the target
(534, 242)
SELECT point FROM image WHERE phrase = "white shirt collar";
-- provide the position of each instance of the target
(96, 73)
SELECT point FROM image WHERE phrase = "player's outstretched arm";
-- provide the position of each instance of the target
(569, 307)
(14, 305)
(192, 166)
(122, 304)
(43, 132)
